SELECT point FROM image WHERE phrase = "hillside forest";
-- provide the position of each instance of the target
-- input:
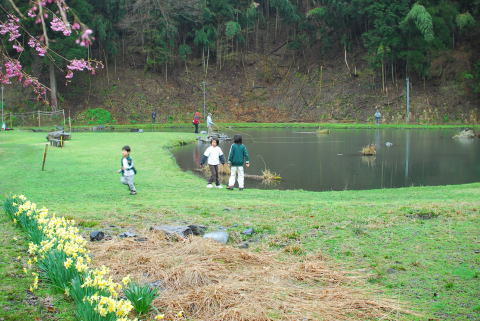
(262, 60)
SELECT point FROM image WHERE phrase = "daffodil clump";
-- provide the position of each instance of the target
(63, 259)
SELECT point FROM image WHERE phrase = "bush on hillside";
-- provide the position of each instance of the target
(98, 116)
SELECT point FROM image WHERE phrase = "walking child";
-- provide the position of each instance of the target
(127, 170)
(196, 121)
(237, 156)
(213, 156)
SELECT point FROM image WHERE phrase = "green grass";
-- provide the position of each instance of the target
(418, 244)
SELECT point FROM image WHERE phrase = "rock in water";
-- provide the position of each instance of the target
(219, 236)
(171, 230)
(96, 236)
(466, 133)
(248, 231)
(198, 229)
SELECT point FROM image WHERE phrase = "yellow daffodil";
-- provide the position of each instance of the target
(68, 262)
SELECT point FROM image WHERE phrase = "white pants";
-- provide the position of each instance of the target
(241, 176)
(128, 180)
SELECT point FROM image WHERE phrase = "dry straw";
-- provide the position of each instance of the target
(369, 150)
(214, 282)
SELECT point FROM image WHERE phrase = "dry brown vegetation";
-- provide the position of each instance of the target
(369, 150)
(210, 281)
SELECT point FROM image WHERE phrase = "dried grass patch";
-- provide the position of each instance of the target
(369, 150)
(210, 281)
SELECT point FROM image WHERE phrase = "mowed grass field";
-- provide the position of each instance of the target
(418, 244)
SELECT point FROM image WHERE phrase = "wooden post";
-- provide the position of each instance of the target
(39, 118)
(63, 112)
(44, 157)
(11, 120)
(61, 141)
(69, 121)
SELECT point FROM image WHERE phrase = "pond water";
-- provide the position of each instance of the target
(310, 161)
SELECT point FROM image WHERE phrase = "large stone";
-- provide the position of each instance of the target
(198, 229)
(96, 236)
(173, 230)
(219, 236)
(248, 231)
(466, 133)
(157, 284)
(128, 234)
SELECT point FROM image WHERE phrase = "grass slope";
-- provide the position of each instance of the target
(420, 244)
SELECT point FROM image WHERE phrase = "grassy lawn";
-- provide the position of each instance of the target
(418, 244)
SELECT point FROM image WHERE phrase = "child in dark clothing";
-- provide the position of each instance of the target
(237, 157)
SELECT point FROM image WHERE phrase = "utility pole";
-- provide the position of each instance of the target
(204, 100)
(407, 84)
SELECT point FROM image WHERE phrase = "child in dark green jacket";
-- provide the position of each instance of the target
(236, 158)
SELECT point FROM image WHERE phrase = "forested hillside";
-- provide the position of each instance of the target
(266, 60)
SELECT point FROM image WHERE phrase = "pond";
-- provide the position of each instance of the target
(318, 162)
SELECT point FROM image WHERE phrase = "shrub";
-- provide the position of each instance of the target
(97, 116)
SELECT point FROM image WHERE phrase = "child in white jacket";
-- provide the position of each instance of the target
(213, 156)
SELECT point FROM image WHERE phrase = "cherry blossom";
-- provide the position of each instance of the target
(58, 25)
(34, 43)
(86, 38)
(31, 13)
(18, 48)
(11, 26)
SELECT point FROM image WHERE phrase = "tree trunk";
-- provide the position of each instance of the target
(53, 86)
(106, 66)
(383, 77)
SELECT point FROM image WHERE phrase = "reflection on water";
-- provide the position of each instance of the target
(309, 161)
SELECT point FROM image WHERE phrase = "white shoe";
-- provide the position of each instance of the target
(209, 186)
(219, 186)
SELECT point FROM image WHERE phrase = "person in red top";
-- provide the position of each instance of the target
(196, 121)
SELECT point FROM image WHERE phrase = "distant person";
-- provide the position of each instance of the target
(378, 117)
(128, 170)
(237, 156)
(154, 116)
(196, 121)
(210, 124)
(213, 156)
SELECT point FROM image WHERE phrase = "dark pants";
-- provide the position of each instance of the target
(377, 120)
(214, 176)
(196, 128)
